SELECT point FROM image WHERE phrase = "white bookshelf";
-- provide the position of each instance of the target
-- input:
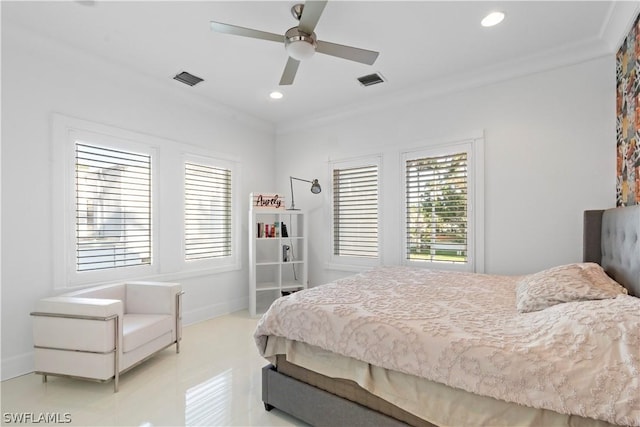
(270, 272)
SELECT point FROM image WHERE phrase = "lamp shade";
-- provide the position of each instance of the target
(315, 187)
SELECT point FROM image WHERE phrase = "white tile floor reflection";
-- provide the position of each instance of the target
(214, 381)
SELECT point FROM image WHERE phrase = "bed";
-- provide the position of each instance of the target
(400, 345)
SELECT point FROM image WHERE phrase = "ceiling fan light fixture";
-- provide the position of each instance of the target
(299, 46)
(300, 50)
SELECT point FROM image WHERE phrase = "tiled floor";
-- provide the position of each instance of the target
(214, 381)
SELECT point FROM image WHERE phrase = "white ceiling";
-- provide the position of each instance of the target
(424, 46)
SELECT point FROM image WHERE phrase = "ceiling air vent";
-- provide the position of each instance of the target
(371, 79)
(187, 78)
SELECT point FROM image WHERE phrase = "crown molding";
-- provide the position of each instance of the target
(620, 18)
(562, 56)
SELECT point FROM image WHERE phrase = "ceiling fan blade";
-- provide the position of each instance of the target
(347, 52)
(311, 15)
(289, 72)
(245, 32)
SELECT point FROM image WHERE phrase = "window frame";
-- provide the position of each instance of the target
(66, 132)
(354, 263)
(220, 263)
(474, 147)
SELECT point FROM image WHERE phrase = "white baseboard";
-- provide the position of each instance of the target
(17, 365)
(214, 310)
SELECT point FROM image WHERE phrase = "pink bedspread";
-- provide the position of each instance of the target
(463, 330)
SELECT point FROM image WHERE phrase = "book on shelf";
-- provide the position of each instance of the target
(276, 229)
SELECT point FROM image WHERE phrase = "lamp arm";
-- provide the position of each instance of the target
(299, 179)
(293, 204)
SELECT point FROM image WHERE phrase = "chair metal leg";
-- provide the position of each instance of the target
(116, 354)
(178, 320)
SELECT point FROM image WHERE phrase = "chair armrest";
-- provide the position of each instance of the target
(78, 324)
(78, 307)
(151, 297)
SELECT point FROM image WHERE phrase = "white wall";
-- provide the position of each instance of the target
(40, 78)
(549, 154)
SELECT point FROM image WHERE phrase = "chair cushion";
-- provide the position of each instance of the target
(139, 329)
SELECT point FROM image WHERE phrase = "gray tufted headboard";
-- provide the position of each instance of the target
(612, 239)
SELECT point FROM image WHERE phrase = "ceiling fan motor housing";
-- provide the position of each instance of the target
(299, 45)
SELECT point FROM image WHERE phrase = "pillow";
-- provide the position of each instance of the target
(565, 283)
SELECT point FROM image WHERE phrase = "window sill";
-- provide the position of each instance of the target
(163, 277)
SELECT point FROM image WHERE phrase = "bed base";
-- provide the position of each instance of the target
(315, 406)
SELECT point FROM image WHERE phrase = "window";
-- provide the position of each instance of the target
(439, 194)
(126, 206)
(436, 189)
(207, 212)
(355, 210)
(113, 208)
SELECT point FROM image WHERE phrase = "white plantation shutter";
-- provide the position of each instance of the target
(436, 196)
(113, 208)
(207, 206)
(355, 211)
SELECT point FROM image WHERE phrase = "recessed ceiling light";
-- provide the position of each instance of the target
(276, 95)
(494, 18)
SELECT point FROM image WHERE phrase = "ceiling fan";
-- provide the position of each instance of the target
(300, 42)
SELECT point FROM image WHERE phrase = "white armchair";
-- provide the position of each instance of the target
(98, 333)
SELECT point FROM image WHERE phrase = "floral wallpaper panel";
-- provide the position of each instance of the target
(628, 119)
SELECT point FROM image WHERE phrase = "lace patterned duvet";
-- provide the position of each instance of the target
(463, 330)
